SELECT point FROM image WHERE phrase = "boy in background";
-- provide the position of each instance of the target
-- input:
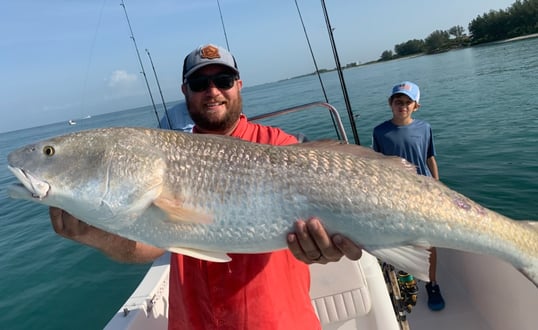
(411, 139)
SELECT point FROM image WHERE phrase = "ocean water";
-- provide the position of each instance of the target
(480, 102)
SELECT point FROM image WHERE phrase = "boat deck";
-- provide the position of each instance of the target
(481, 293)
(458, 313)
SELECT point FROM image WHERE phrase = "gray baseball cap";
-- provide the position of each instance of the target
(206, 55)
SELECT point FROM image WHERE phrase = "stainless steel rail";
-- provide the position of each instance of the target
(339, 125)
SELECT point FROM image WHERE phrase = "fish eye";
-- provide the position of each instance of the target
(48, 150)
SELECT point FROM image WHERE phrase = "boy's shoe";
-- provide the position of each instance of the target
(435, 300)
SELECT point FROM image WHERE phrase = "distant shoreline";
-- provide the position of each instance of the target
(528, 36)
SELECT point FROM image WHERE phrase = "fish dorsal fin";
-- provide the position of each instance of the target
(201, 254)
(177, 212)
(356, 150)
(413, 259)
(531, 223)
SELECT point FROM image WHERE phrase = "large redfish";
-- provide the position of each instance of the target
(206, 196)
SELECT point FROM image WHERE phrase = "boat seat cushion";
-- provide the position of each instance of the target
(339, 291)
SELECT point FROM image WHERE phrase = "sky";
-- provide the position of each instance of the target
(67, 59)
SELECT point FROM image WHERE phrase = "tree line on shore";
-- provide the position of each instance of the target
(520, 19)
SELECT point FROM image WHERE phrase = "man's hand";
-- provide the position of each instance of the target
(310, 243)
(66, 225)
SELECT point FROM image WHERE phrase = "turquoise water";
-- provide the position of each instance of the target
(480, 101)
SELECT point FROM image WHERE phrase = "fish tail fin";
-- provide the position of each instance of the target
(413, 259)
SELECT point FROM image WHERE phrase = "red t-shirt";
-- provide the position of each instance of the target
(253, 291)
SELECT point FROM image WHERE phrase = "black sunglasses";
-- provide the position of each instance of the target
(221, 81)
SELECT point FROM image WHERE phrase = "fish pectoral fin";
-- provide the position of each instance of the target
(201, 254)
(177, 212)
(413, 259)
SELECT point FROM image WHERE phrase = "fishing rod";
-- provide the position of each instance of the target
(160, 91)
(315, 65)
(223, 27)
(341, 76)
(141, 65)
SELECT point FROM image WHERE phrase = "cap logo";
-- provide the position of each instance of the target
(405, 87)
(209, 52)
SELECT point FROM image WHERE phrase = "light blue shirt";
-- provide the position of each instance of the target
(413, 142)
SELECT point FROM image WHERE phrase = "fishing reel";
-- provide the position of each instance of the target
(403, 291)
(408, 290)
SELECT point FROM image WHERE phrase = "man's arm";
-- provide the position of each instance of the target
(114, 246)
(310, 243)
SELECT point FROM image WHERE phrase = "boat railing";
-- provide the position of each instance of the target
(339, 126)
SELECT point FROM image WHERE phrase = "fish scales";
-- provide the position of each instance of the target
(310, 173)
(221, 194)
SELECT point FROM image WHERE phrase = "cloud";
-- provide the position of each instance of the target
(121, 78)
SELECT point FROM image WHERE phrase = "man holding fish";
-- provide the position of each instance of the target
(261, 291)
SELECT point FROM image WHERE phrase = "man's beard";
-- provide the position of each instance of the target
(207, 123)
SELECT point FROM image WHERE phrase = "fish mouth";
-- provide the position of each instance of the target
(29, 185)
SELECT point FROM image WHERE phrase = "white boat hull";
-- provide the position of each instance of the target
(481, 293)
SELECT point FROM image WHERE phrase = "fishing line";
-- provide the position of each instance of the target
(92, 47)
(311, 52)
